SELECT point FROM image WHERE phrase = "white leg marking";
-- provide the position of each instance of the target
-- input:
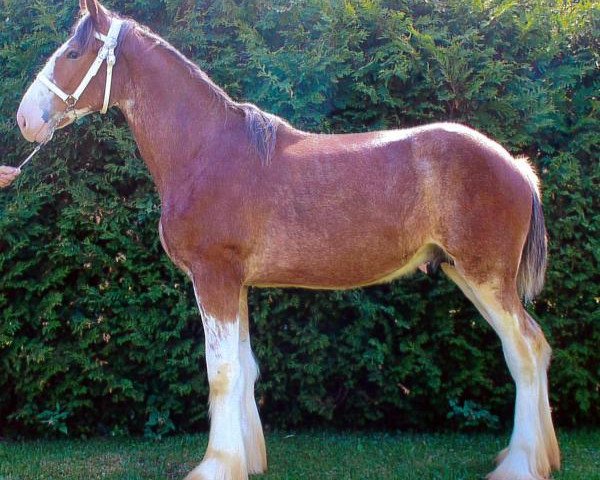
(533, 443)
(526, 456)
(225, 457)
(252, 432)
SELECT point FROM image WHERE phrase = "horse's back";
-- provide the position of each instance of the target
(366, 205)
(340, 208)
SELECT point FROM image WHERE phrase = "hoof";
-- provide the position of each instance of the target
(513, 466)
(508, 475)
(219, 466)
(514, 463)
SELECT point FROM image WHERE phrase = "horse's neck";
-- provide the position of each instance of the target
(175, 119)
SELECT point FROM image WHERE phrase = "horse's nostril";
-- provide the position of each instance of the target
(22, 121)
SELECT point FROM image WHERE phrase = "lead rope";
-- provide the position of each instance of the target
(24, 162)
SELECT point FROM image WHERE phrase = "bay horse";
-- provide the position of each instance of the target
(248, 200)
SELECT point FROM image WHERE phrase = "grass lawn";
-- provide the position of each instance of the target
(300, 456)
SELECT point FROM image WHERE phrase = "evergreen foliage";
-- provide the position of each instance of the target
(99, 333)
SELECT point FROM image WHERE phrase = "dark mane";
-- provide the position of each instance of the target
(261, 127)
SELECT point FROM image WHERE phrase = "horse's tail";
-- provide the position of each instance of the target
(532, 269)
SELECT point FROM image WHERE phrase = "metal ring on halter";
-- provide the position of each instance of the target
(70, 101)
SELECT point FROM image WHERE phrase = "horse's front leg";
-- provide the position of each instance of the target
(252, 433)
(218, 293)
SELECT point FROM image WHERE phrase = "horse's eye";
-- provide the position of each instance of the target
(73, 54)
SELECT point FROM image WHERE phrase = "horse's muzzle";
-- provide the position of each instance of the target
(33, 114)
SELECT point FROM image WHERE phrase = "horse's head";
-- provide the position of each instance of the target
(76, 80)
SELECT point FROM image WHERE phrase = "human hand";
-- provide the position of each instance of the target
(8, 175)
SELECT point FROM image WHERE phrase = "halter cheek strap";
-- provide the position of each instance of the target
(106, 52)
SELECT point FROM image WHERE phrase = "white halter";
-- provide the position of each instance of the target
(106, 52)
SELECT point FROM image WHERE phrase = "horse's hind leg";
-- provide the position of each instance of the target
(252, 433)
(533, 449)
(218, 292)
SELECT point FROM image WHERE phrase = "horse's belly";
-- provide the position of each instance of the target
(338, 266)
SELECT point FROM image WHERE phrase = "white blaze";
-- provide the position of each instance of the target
(35, 111)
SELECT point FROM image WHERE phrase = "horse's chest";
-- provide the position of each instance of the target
(208, 230)
(171, 249)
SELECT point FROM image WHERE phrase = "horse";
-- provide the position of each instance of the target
(247, 200)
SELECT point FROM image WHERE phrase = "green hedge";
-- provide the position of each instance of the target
(99, 333)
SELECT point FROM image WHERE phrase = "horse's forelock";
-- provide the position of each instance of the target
(83, 32)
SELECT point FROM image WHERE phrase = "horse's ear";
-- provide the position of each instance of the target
(88, 6)
(97, 12)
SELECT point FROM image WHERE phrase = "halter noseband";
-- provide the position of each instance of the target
(106, 52)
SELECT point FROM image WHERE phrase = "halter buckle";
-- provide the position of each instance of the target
(111, 43)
